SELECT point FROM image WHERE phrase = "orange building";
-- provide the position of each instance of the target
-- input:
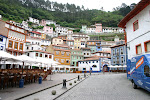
(62, 55)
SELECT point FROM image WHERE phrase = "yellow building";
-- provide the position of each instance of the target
(77, 43)
(43, 36)
(57, 41)
(62, 55)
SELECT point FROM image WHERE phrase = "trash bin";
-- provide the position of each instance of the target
(40, 80)
(21, 83)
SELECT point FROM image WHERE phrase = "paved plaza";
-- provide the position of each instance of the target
(106, 87)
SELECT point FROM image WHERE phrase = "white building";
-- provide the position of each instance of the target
(102, 53)
(94, 64)
(45, 42)
(107, 44)
(113, 30)
(86, 52)
(61, 30)
(90, 64)
(33, 20)
(137, 31)
(84, 37)
(47, 22)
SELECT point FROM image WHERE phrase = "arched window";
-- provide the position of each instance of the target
(146, 71)
(94, 66)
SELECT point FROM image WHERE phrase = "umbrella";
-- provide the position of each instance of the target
(10, 59)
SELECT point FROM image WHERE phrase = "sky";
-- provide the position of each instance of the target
(107, 5)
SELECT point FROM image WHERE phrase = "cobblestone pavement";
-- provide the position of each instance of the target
(47, 95)
(13, 93)
(106, 87)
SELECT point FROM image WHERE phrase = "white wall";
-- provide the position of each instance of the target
(89, 65)
(141, 35)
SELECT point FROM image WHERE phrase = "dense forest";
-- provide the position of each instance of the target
(67, 15)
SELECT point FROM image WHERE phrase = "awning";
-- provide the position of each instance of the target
(111, 66)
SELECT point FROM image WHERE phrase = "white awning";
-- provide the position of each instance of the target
(111, 66)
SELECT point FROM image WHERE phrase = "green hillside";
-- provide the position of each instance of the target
(67, 15)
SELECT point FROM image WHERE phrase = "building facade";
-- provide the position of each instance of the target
(16, 39)
(3, 35)
(62, 54)
(76, 55)
(119, 55)
(137, 32)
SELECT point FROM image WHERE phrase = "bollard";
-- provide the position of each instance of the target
(64, 84)
(84, 75)
(21, 83)
(78, 77)
(40, 80)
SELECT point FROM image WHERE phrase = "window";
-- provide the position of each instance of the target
(94, 66)
(32, 48)
(121, 50)
(16, 45)
(36, 54)
(57, 52)
(117, 60)
(27, 48)
(146, 71)
(113, 52)
(84, 68)
(62, 60)
(40, 55)
(1, 39)
(68, 53)
(73, 63)
(122, 60)
(67, 61)
(62, 53)
(45, 56)
(114, 61)
(50, 56)
(10, 44)
(135, 25)
(97, 61)
(117, 52)
(57, 60)
(138, 49)
(84, 54)
(87, 53)
(147, 46)
(1, 48)
(21, 46)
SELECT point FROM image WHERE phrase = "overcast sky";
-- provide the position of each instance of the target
(107, 5)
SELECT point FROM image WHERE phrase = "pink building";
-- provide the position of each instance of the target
(48, 30)
(98, 28)
(43, 22)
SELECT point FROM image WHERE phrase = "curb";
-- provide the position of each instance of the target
(68, 89)
(42, 89)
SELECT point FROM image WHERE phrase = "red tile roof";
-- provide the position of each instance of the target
(117, 45)
(36, 32)
(102, 52)
(94, 58)
(39, 51)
